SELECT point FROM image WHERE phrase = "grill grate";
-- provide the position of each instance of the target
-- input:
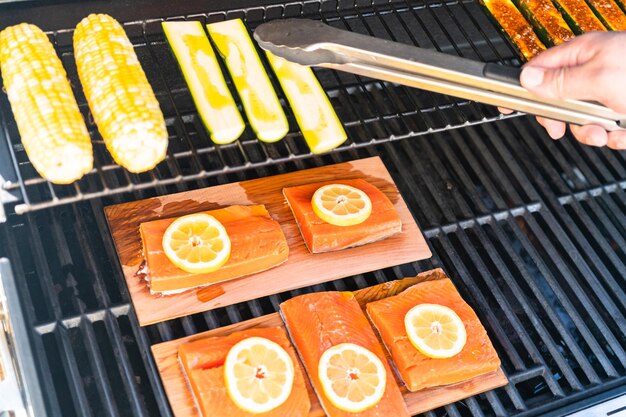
(538, 252)
(532, 231)
(373, 112)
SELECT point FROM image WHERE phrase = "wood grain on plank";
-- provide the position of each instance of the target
(301, 269)
(180, 396)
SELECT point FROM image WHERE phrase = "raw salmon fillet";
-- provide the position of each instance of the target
(319, 321)
(203, 365)
(320, 236)
(418, 371)
(257, 243)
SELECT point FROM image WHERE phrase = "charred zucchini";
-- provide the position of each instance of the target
(579, 16)
(547, 21)
(609, 13)
(517, 29)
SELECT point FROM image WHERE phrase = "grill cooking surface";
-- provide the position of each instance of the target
(372, 112)
(533, 232)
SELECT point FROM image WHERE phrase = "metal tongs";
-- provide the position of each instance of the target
(313, 43)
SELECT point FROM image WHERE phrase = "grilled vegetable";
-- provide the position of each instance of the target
(259, 99)
(609, 13)
(579, 16)
(517, 29)
(197, 60)
(547, 21)
(121, 100)
(52, 129)
(318, 121)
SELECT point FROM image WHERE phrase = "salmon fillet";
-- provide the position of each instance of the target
(417, 370)
(319, 321)
(257, 243)
(203, 365)
(320, 236)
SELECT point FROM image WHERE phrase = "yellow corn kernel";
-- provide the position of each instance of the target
(50, 124)
(121, 100)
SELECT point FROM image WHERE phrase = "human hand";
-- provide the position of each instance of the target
(588, 67)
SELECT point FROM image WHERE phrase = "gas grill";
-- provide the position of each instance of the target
(532, 231)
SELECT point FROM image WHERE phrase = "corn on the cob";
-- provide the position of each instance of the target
(121, 100)
(319, 124)
(50, 124)
(207, 86)
(258, 97)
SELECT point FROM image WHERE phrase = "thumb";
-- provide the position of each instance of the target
(562, 82)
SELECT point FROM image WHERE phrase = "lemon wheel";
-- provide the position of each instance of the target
(259, 374)
(352, 377)
(341, 205)
(197, 243)
(435, 330)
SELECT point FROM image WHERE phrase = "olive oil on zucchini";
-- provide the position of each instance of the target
(517, 29)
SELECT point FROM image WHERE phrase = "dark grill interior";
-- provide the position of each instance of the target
(533, 232)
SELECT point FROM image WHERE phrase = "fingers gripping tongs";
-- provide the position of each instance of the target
(313, 43)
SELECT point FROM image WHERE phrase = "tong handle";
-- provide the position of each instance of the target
(503, 73)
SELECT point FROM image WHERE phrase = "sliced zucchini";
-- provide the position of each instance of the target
(517, 29)
(316, 117)
(609, 13)
(199, 65)
(579, 16)
(259, 99)
(547, 21)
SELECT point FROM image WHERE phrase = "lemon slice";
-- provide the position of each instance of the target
(435, 330)
(259, 375)
(341, 205)
(353, 378)
(197, 243)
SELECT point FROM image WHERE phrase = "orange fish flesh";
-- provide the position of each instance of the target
(319, 321)
(417, 370)
(320, 236)
(203, 365)
(257, 244)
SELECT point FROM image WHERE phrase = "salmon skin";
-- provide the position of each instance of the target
(257, 244)
(319, 321)
(202, 362)
(417, 370)
(320, 236)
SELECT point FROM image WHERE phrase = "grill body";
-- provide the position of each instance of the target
(532, 231)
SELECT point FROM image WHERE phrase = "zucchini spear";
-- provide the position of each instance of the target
(199, 65)
(517, 29)
(547, 21)
(579, 16)
(318, 121)
(259, 99)
(609, 13)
